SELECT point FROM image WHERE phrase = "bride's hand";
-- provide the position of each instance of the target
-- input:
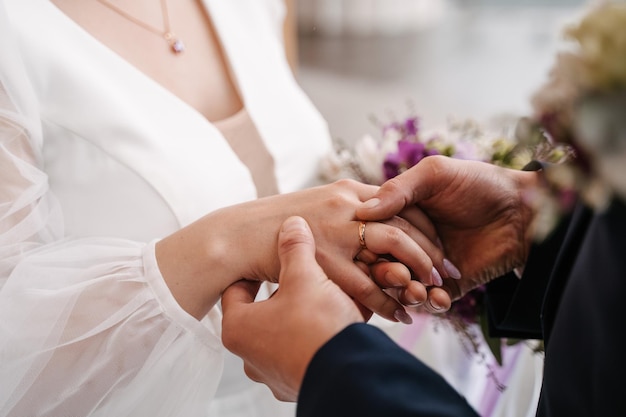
(239, 241)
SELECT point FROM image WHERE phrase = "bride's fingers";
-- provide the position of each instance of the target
(365, 312)
(396, 278)
(428, 241)
(356, 283)
(390, 274)
(362, 266)
(413, 295)
(366, 256)
(439, 300)
(429, 246)
(406, 247)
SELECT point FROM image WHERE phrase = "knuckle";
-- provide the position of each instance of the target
(251, 372)
(345, 183)
(229, 339)
(394, 186)
(337, 199)
(433, 162)
(394, 236)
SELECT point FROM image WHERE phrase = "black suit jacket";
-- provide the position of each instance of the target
(573, 295)
(361, 372)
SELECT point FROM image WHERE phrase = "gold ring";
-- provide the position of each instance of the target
(362, 235)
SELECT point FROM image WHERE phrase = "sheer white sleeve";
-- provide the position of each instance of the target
(87, 327)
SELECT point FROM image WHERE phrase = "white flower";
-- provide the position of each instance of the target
(601, 131)
(336, 165)
(391, 136)
(370, 157)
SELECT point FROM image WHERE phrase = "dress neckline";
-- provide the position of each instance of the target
(114, 55)
(239, 114)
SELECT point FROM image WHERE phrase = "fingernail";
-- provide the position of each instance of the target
(371, 203)
(436, 277)
(410, 298)
(294, 223)
(434, 304)
(452, 270)
(439, 243)
(402, 316)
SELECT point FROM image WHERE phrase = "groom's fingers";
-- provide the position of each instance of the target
(296, 251)
(392, 197)
(408, 188)
(420, 221)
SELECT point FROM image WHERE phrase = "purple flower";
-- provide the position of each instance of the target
(406, 130)
(566, 199)
(411, 126)
(469, 307)
(409, 154)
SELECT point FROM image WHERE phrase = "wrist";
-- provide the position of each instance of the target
(194, 267)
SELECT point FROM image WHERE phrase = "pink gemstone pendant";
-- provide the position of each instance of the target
(176, 44)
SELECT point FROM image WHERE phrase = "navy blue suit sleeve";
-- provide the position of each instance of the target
(362, 372)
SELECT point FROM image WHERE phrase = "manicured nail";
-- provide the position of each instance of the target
(402, 316)
(439, 243)
(294, 223)
(371, 203)
(436, 277)
(434, 304)
(452, 270)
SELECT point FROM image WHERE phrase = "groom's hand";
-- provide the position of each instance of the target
(479, 212)
(278, 337)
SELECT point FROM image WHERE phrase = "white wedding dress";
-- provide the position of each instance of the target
(97, 162)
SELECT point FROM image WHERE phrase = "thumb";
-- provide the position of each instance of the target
(296, 250)
(408, 188)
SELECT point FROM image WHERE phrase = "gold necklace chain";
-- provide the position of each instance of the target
(176, 44)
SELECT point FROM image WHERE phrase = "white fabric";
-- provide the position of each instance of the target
(87, 324)
(442, 348)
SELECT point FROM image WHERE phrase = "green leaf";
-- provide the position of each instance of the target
(512, 342)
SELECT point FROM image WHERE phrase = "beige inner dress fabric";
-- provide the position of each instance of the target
(245, 140)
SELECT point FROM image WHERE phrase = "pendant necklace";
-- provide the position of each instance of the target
(176, 44)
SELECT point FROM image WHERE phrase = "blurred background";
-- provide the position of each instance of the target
(438, 58)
